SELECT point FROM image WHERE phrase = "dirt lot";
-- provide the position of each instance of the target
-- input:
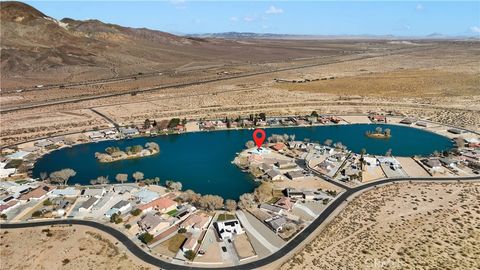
(435, 80)
(75, 247)
(400, 226)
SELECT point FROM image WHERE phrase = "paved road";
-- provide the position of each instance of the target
(141, 254)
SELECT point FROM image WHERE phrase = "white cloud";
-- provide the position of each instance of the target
(274, 10)
(234, 19)
(248, 18)
(419, 7)
(475, 29)
(180, 4)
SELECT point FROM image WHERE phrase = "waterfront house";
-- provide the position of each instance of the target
(421, 124)
(274, 175)
(390, 161)
(18, 155)
(153, 224)
(271, 208)
(448, 162)
(407, 121)
(293, 194)
(145, 196)
(370, 161)
(163, 205)
(276, 223)
(197, 221)
(284, 203)
(88, 204)
(38, 193)
(455, 131)
(43, 143)
(96, 135)
(228, 228)
(377, 118)
(93, 192)
(129, 132)
(64, 192)
(433, 163)
(278, 146)
(295, 175)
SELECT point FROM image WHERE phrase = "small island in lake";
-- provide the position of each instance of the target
(113, 154)
(379, 133)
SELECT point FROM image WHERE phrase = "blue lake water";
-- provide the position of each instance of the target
(202, 160)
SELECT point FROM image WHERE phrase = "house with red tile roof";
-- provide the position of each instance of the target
(278, 146)
(197, 221)
(162, 205)
(37, 193)
(190, 244)
(284, 203)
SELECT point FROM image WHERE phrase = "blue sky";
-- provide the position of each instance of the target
(406, 18)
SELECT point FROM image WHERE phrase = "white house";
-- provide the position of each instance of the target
(228, 228)
(88, 204)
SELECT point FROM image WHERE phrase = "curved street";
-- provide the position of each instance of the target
(291, 245)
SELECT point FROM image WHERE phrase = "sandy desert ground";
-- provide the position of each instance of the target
(438, 81)
(400, 226)
(75, 247)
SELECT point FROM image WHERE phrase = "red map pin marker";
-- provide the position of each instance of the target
(259, 136)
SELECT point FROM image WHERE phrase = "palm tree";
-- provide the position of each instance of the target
(362, 153)
(156, 180)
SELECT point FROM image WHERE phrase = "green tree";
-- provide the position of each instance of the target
(136, 212)
(146, 238)
(115, 218)
(173, 122)
(263, 116)
(47, 202)
(190, 254)
(147, 123)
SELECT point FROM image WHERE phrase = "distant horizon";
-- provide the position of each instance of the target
(183, 17)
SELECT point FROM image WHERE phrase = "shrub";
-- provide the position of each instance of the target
(146, 238)
(182, 230)
(37, 214)
(190, 254)
(47, 202)
(128, 226)
(136, 212)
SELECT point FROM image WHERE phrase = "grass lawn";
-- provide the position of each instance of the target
(172, 213)
(225, 216)
(176, 242)
(273, 200)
